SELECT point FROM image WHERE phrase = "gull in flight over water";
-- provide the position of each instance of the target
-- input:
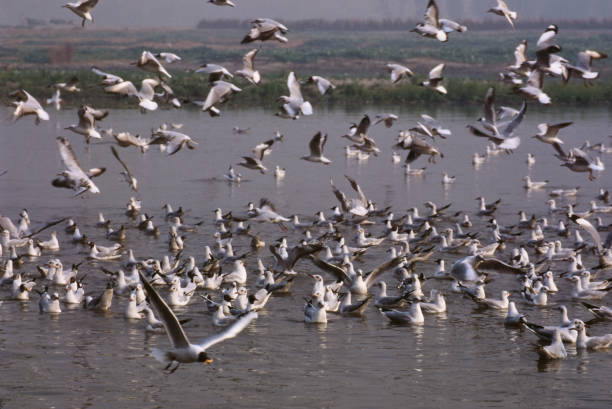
(294, 104)
(74, 177)
(26, 104)
(183, 351)
(316, 145)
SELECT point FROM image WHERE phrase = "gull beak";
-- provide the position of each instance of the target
(208, 361)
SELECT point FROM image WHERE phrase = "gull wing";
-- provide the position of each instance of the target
(214, 95)
(294, 86)
(520, 53)
(554, 129)
(589, 228)
(87, 5)
(97, 114)
(300, 251)
(108, 79)
(364, 124)
(477, 132)
(340, 196)
(317, 143)
(357, 189)
(338, 272)
(394, 262)
(260, 150)
(229, 332)
(130, 177)
(248, 59)
(498, 265)
(585, 58)
(509, 129)
(7, 224)
(123, 88)
(173, 327)
(431, 14)
(436, 72)
(69, 158)
(489, 107)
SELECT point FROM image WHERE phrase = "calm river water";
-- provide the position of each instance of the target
(462, 359)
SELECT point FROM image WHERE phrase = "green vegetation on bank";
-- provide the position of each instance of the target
(379, 90)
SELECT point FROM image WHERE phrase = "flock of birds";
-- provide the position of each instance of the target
(337, 244)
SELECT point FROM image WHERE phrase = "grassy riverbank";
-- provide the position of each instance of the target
(350, 90)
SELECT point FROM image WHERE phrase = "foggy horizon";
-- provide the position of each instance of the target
(180, 14)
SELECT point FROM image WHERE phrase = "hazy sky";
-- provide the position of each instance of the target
(186, 13)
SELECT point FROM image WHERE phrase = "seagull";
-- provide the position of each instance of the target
(255, 162)
(413, 316)
(316, 145)
(87, 122)
(532, 185)
(231, 175)
(107, 78)
(431, 27)
(357, 133)
(82, 9)
(556, 350)
(387, 118)
(215, 72)
(357, 284)
(218, 94)
(586, 342)
(70, 86)
(533, 89)
(435, 79)
(148, 62)
(578, 161)
(248, 70)
(398, 72)
(125, 139)
(355, 206)
(600, 311)
(503, 140)
(56, 100)
(127, 174)
(502, 10)
(182, 350)
(172, 140)
(26, 104)
(74, 177)
(323, 84)
(168, 57)
(434, 127)
(294, 104)
(222, 3)
(266, 29)
(145, 95)
(548, 134)
(583, 68)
